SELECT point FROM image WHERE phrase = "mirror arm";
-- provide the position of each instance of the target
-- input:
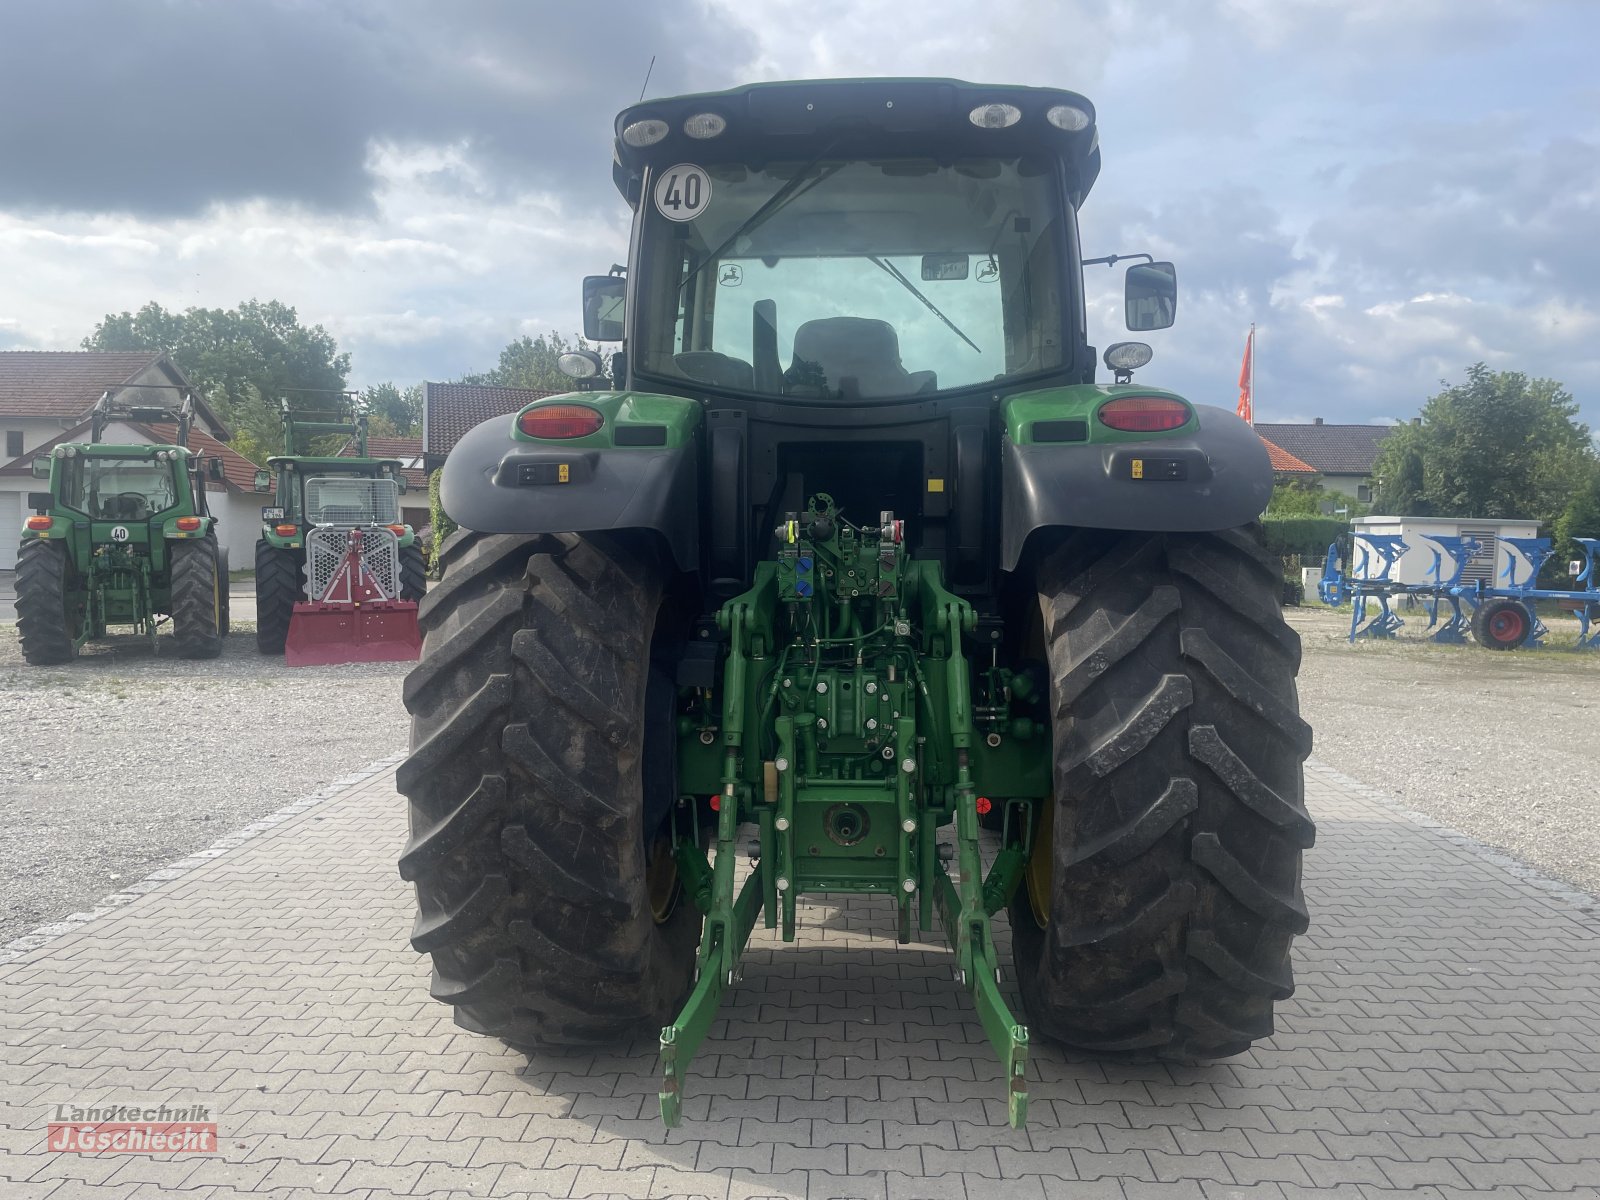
(1112, 260)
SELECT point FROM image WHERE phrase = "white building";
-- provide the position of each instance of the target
(1416, 564)
(45, 399)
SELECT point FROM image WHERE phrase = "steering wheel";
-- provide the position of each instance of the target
(130, 506)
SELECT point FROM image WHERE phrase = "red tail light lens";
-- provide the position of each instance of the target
(286, 530)
(1144, 414)
(560, 421)
(188, 524)
(38, 523)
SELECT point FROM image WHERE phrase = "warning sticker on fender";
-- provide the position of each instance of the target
(683, 192)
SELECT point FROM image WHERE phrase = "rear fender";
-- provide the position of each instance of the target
(1212, 473)
(498, 480)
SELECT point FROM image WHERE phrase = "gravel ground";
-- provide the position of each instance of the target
(121, 762)
(1503, 746)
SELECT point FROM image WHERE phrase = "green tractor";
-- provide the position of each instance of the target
(848, 552)
(122, 537)
(285, 524)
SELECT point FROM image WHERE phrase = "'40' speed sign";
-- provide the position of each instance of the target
(683, 192)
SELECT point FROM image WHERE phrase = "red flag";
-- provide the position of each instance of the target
(1247, 380)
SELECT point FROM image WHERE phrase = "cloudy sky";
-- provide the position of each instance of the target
(1390, 189)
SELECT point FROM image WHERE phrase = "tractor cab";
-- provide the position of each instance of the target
(302, 479)
(123, 484)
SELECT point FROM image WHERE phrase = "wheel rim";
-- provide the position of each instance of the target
(661, 879)
(1039, 877)
(1507, 625)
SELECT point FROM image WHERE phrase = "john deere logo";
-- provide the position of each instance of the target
(119, 533)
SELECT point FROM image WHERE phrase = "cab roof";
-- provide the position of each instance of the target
(800, 119)
(333, 461)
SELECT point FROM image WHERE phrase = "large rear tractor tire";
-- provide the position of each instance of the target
(541, 743)
(1158, 908)
(46, 625)
(278, 586)
(197, 598)
(413, 573)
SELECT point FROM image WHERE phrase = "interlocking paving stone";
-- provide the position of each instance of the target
(1444, 1042)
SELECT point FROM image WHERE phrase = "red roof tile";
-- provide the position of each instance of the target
(406, 449)
(64, 384)
(1283, 462)
(450, 409)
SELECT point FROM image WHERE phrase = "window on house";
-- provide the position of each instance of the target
(1364, 493)
(13, 443)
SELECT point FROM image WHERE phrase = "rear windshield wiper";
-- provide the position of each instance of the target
(899, 276)
(796, 186)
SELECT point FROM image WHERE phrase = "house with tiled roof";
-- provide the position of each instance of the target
(450, 409)
(1342, 454)
(407, 449)
(45, 400)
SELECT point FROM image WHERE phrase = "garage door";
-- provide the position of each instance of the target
(10, 528)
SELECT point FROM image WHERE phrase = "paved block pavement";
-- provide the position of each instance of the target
(1444, 1042)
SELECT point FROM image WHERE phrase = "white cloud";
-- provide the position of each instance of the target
(1388, 190)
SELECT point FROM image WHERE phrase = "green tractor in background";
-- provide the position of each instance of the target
(850, 550)
(122, 537)
(281, 550)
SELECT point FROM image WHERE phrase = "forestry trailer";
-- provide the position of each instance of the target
(305, 577)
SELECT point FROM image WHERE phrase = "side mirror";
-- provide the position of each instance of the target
(41, 468)
(604, 298)
(39, 501)
(1150, 293)
(401, 480)
(214, 469)
(263, 480)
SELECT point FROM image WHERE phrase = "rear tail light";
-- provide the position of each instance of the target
(1144, 414)
(38, 523)
(188, 524)
(560, 421)
(397, 530)
(285, 530)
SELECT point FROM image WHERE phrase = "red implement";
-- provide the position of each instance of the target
(353, 620)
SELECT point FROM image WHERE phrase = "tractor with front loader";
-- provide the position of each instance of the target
(849, 549)
(122, 537)
(339, 493)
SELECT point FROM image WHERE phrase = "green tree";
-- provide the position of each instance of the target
(531, 363)
(1297, 498)
(1500, 445)
(394, 411)
(245, 361)
(1581, 519)
(1402, 487)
